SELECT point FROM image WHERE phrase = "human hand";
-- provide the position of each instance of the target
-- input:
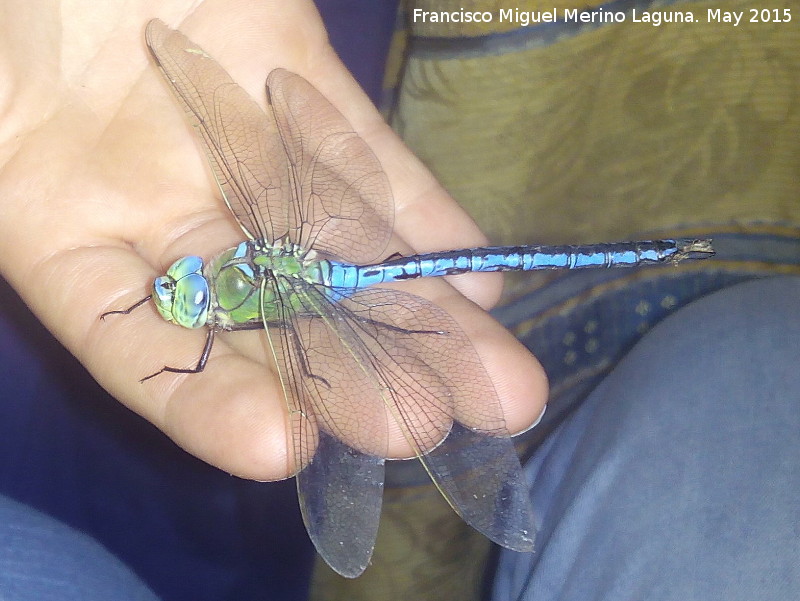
(103, 185)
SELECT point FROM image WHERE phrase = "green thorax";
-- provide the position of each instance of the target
(284, 269)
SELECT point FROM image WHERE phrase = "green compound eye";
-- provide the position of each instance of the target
(182, 296)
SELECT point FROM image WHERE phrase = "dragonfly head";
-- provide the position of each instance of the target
(182, 296)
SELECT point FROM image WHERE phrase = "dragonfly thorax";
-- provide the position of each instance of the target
(252, 281)
(226, 293)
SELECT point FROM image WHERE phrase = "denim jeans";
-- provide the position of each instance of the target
(42, 559)
(679, 476)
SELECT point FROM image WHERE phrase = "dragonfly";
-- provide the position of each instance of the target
(316, 210)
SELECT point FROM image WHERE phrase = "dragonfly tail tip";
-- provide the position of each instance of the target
(693, 250)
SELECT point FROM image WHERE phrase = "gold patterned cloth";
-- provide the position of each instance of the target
(576, 132)
(602, 132)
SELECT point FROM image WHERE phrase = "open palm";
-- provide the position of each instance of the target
(102, 185)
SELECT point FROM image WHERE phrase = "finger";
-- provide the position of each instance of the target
(519, 379)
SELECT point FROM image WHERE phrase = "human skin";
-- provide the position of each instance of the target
(103, 185)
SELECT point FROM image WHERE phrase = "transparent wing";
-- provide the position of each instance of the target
(345, 204)
(298, 170)
(241, 141)
(339, 477)
(432, 378)
(380, 353)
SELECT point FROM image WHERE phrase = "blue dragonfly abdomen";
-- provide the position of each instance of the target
(345, 277)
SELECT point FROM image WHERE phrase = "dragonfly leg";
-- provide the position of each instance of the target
(136, 305)
(319, 379)
(388, 326)
(201, 364)
(304, 366)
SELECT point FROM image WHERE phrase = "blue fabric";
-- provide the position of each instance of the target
(43, 560)
(678, 477)
(360, 32)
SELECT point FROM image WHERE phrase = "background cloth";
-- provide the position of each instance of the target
(564, 135)
(677, 477)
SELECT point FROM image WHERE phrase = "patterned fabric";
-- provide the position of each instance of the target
(573, 132)
(604, 132)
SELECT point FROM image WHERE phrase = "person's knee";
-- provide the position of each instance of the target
(42, 558)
